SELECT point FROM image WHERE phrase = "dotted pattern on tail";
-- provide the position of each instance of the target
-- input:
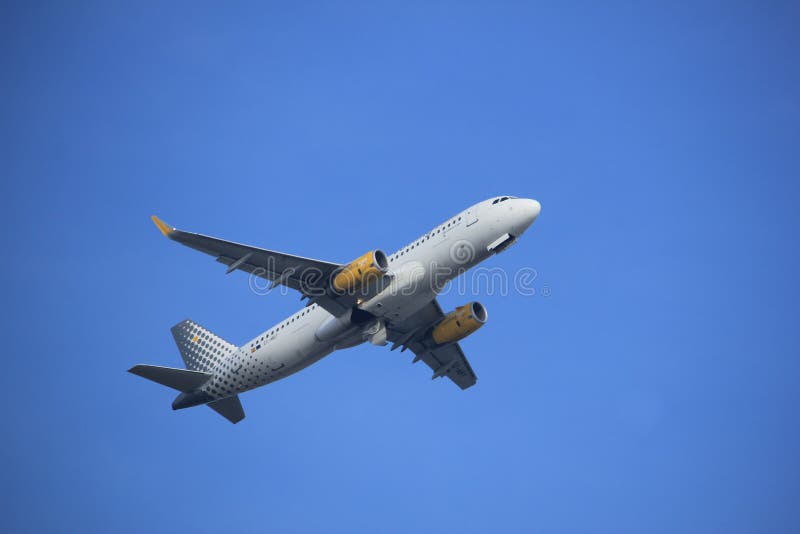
(201, 350)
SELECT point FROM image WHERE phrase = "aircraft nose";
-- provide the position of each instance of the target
(525, 212)
(532, 207)
(529, 209)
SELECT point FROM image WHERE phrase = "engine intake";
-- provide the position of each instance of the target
(460, 323)
(371, 266)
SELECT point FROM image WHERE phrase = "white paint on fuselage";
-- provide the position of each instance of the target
(419, 271)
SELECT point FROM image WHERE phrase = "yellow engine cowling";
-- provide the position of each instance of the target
(460, 323)
(370, 266)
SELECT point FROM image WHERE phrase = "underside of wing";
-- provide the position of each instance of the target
(308, 276)
(445, 360)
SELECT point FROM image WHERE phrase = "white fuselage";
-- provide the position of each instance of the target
(418, 272)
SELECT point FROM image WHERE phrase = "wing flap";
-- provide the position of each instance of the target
(451, 362)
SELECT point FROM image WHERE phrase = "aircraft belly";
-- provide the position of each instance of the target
(399, 307)
(291, 353)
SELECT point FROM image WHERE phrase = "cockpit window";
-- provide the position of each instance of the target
(501, 199)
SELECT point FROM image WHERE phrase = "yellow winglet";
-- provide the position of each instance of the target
(164, 227)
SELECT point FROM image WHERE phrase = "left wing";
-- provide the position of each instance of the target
(306, 275)
(445, 360)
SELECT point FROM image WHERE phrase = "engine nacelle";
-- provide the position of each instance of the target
(460, 323)
(354, 275)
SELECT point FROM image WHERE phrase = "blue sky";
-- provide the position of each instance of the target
(653, 390)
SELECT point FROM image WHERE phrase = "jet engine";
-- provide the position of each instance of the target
(460, 323)
(371, 266)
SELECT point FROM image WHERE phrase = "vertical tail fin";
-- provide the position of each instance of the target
(200, 348)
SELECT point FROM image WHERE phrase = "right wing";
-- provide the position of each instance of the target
(446, 360)
(308, 276)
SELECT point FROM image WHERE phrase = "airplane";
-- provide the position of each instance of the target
(376, 298)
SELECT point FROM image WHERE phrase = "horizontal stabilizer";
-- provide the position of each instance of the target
(230, 408)
(180, 379)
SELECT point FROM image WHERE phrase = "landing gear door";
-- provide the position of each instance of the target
(472, 215)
